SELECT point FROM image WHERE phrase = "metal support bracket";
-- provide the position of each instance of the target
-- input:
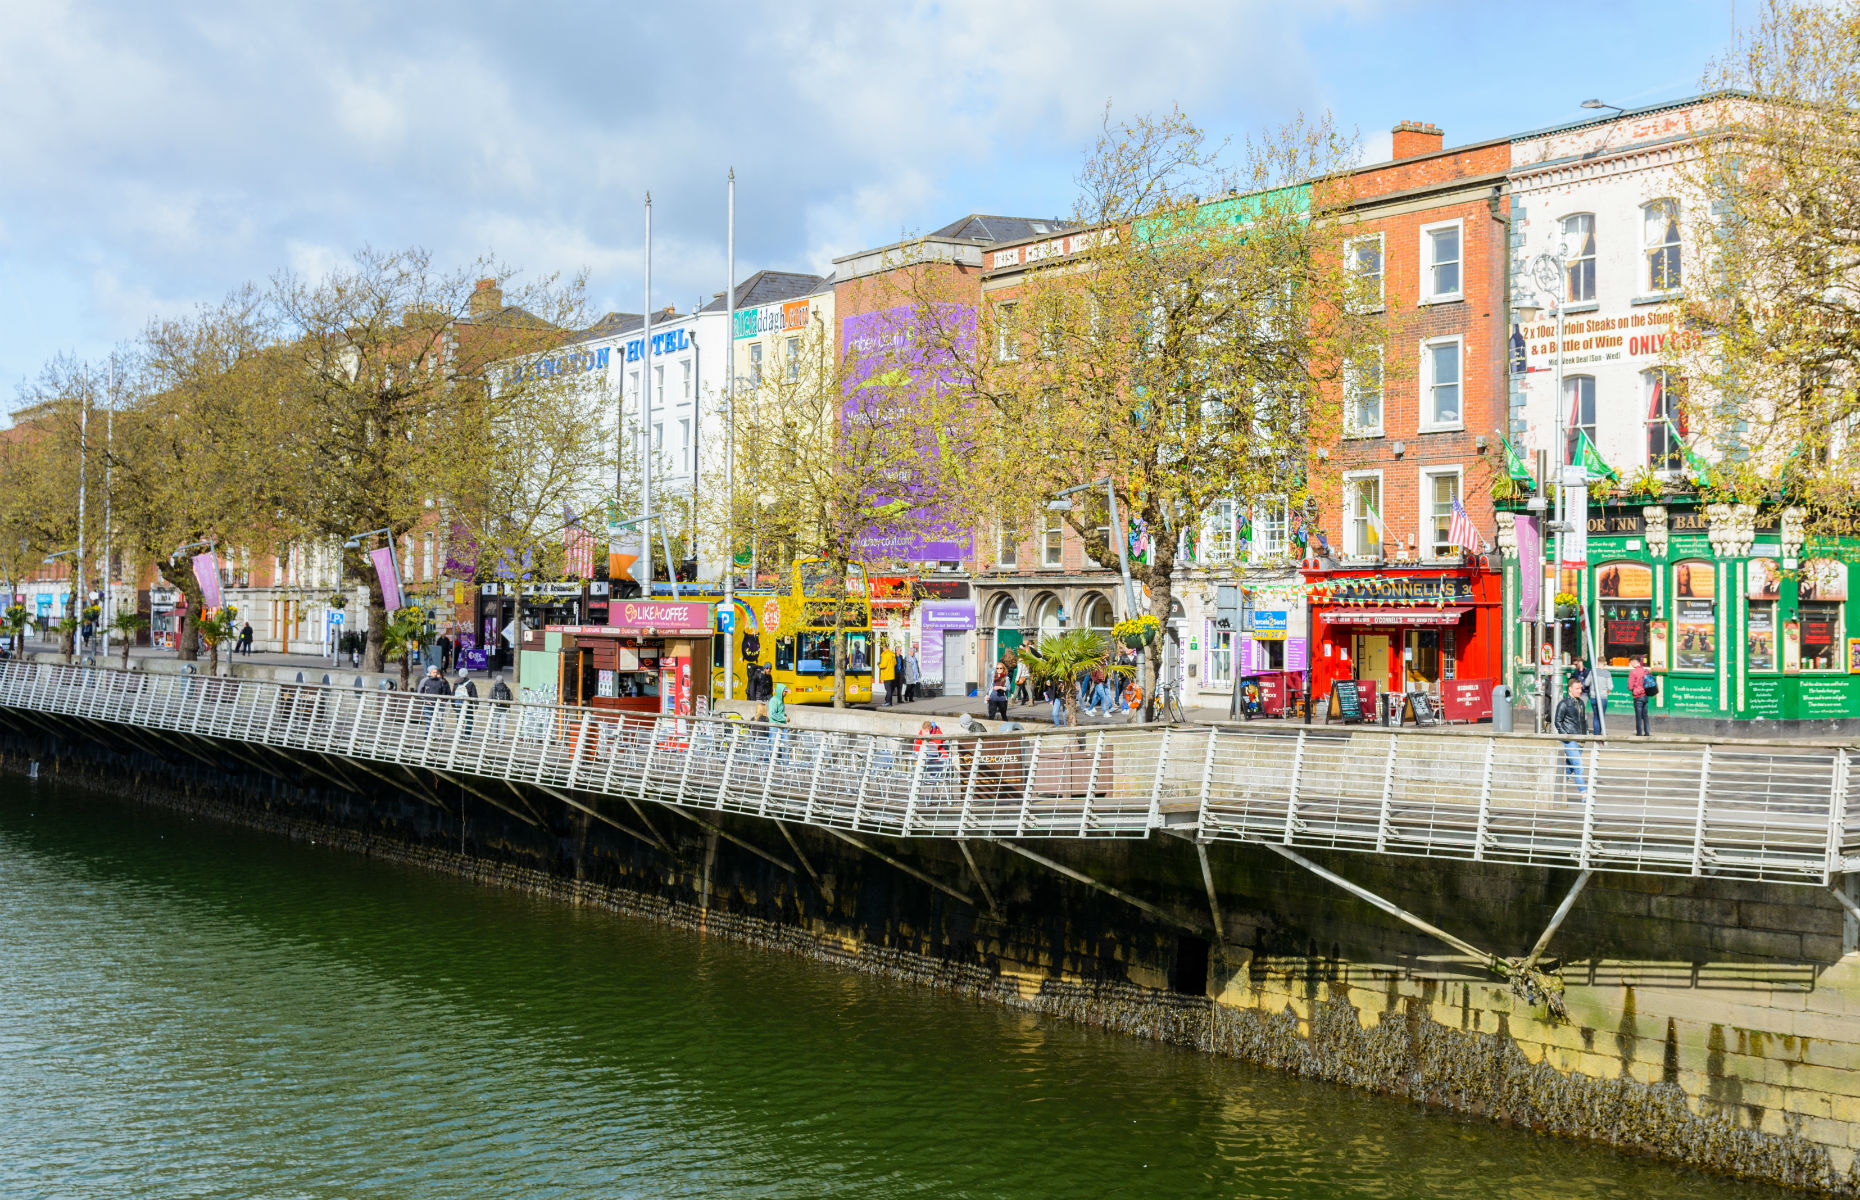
(1161, 914)
(600, 816)
(1556, 919)
(980, 883)
(913, 872)
(1214, 903)
(462, 786)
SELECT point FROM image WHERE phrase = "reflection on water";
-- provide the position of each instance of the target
(189, 1010)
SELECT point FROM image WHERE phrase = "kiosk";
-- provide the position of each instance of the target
(654, 656)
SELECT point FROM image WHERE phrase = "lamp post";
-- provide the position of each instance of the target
(1547, 273)
(729, 442)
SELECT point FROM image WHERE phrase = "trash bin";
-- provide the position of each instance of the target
(1501, 708)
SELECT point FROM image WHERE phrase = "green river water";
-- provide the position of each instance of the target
(188, 1010)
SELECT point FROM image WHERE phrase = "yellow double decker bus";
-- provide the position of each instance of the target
(790, 635)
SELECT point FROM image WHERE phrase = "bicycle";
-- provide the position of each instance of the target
(1169, 704)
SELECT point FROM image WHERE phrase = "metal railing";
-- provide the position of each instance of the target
(1768, 812)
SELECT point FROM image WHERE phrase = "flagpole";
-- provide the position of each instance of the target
(645, 418)
(729, 445)
(1562, 511)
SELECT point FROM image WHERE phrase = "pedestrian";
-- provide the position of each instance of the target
(1572, 721)
(1643, 685)
(1056, 692)
(244, 645)
(778, 716)
(888, 671)
(465, 697)
(998, 694)
(499, 691)
(445, 653)
(1022, 677)
(1100, 693)
(912, 676)
(433, 685)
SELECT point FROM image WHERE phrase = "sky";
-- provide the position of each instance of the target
(155, 157)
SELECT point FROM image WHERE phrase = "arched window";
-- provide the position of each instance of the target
(1048, 615)
(1579, 256)
(1095, 612)
(1007, 613)
(1659, 222)
(1666, 422)
(1695, 616)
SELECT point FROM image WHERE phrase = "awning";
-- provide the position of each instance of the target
(1393, 616)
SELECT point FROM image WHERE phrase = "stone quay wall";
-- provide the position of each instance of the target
(1714, 1024)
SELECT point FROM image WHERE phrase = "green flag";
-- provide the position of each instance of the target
(1514, 463)
(1697, 469)
(1592, 461)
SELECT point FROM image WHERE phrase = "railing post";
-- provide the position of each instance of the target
(1026, 795)
(910, 795)
(1837, 816)
(1485, 802)
(1291, 794)
(730, 730)
(684, 772)
(1385, 831)
(1207, 783)
(1091, 781)
(1698, 819)
(1586, 854)
(968, 787)
(652, 750)
(813, 779)
(581, 747)
(1156, 782)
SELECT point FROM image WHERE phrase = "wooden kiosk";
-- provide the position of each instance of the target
(653, 657)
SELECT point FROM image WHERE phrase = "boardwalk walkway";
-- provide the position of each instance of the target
(1781, 813)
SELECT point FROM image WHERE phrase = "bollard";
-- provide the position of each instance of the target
(1501, 708)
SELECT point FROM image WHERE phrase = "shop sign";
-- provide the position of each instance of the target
(758, 322)
(948, 616)
(1270, 624)
(561, 364)
(793, 316)
(1381, 589)
(1643, 336)
(1691, 521)
(889, 591)
(669, 342)
(940, 589)
(1466, 699)
(1617, 523)
(686, 617)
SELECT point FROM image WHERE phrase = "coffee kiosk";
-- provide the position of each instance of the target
(652, 657)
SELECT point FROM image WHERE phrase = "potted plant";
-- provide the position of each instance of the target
(1137, 632)
(1567, 606)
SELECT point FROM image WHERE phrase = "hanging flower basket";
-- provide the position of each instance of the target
(1136, 633)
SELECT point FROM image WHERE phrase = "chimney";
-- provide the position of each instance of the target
(1415, 137)
(486, 298)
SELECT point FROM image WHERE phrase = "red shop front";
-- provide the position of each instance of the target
(1436, 630)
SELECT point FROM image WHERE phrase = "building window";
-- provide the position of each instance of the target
(426, 557)
(1362, 397)
(1362, 516)
(1220, 659)
(1579, 395)
(1695, 616)
(1821, 596)
(1440, 373)
(1104, 531)
(1760, 619)
(1217, 533)
(755, 364)
(685, 386)
(1007, 549)
(1579, 257)
(794, 358)
(1440, 262)
(1625, 593)
(1441, 488)
(1272, 520)
(1007, 334)
(658, 387)
(684, 440)
(1660, 237)
(1363, 256)
(1665, 422)
(658, 437)
(1052, 544)
(632, 384)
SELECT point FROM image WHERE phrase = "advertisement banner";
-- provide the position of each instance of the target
(207, 574)
(388, 572)
(1530, 569)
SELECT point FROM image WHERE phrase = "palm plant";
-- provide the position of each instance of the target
(125, 625)
(1064, 656)
(403, 632)
(67, 628)
(215, 628)
(13, 624)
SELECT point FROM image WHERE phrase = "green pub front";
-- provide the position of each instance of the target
(1749, 624)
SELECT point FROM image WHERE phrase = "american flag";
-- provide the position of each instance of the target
(1460, 530)
(579, 544)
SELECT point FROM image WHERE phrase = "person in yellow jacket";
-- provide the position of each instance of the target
(887, 671)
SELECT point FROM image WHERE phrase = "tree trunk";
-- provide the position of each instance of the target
(1159, 577)
(374, 649)
(67, 639)
(839, 636)
(186, 632)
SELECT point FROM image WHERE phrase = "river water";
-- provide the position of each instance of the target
(188, 1010)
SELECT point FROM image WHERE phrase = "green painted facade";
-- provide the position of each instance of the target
(1751, 638)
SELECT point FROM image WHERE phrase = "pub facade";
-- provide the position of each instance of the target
(1750, 625)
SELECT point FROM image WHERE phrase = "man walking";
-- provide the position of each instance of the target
(433, 685)
(245, 640)
(445, 653)
(462, 697)
(1572, 720)
(912, 676)
(499, 691)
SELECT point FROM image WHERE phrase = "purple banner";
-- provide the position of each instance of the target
(879, 343)
(207, 574)
(389, 574)
(1530, 569)
(948, 616)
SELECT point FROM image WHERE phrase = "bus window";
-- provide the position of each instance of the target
(817, 652)
(818, 578)
(784, 654)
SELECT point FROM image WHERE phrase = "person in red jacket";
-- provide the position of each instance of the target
(1638, 677)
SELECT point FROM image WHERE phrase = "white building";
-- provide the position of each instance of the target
(1605, 199)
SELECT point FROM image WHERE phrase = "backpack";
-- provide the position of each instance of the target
(1650, 685)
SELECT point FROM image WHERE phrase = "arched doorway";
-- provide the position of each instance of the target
(1095, 612)
(1007, 626)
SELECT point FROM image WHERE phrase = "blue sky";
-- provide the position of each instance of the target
(153, 157)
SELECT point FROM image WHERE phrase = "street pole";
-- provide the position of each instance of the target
(645, 414)
(1558, 443)
(729, 445)
(109, 442)
(83, 465)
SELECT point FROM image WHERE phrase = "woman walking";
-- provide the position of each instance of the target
(998, 694)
